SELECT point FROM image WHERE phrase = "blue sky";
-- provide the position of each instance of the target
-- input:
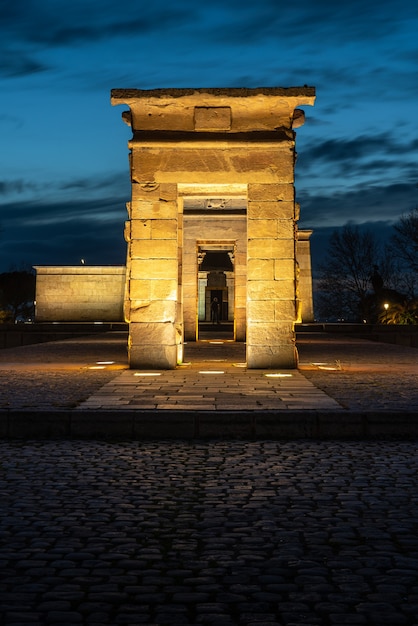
(64, 177)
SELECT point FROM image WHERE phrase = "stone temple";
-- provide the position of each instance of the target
(212, 215)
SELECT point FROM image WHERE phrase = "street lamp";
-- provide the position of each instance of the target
(386, 306)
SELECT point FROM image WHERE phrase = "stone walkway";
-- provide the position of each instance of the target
(211, 387)
(217, 534)
(82, 387)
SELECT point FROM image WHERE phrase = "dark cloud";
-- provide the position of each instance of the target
(365, 203)
(19, 186)
(322, 21)
(62, 233)
(371, 156)
(78, 22)
(16, 63)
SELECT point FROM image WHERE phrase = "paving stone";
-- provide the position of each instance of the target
(241, 528)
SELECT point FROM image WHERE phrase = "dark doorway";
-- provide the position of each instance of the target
(215, 293)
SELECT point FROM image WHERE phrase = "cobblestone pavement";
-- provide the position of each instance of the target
(59, 374)
(361, 374)
(249, 533)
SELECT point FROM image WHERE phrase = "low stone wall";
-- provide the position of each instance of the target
(79, 293)
(387, 333)
(16, 335)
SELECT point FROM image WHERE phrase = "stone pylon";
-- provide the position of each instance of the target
(233, 144)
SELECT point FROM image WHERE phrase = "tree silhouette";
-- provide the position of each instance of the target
(354, 259)
(17, 295)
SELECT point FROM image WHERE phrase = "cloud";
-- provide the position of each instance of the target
(48, 23)
(62, 233)
(375, 157)
(17, 63)
(363, 204)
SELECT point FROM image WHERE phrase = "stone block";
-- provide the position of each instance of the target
(170, 116)
(149, 311)
(153, 210)
(140, 289)
(262, 228)
(260, 311)
(285, 310)
(271, 290)
(151, 192)
(152, 333)
(284, 269)
(140, 229)
(285, 229)
(263, 333)
(164, 229)
(275, 163)
(163, 268)
(270, 210)
(271, 249)
(271, 193)
(154, 249)
(164, 289)
(271, 357)
(167, 165)
(158, 289)
(152, 356)
(260, 269)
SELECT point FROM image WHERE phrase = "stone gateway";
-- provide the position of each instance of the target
(212, 214)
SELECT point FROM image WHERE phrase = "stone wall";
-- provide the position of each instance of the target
(79, 293)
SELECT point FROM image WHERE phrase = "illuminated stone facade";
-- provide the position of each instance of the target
(212, 174)
(79, 293)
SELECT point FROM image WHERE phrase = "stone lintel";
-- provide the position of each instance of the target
(212, 110)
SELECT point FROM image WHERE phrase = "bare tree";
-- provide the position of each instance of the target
(404, 245)
(345, 279)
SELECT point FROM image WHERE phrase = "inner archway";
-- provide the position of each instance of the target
(216, 292)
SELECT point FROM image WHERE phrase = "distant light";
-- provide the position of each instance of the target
(82, 261)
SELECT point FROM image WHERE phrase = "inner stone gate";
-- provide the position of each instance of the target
(212, 214)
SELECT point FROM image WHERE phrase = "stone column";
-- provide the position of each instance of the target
(271, 275)
(304, 295)
(153, 269)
